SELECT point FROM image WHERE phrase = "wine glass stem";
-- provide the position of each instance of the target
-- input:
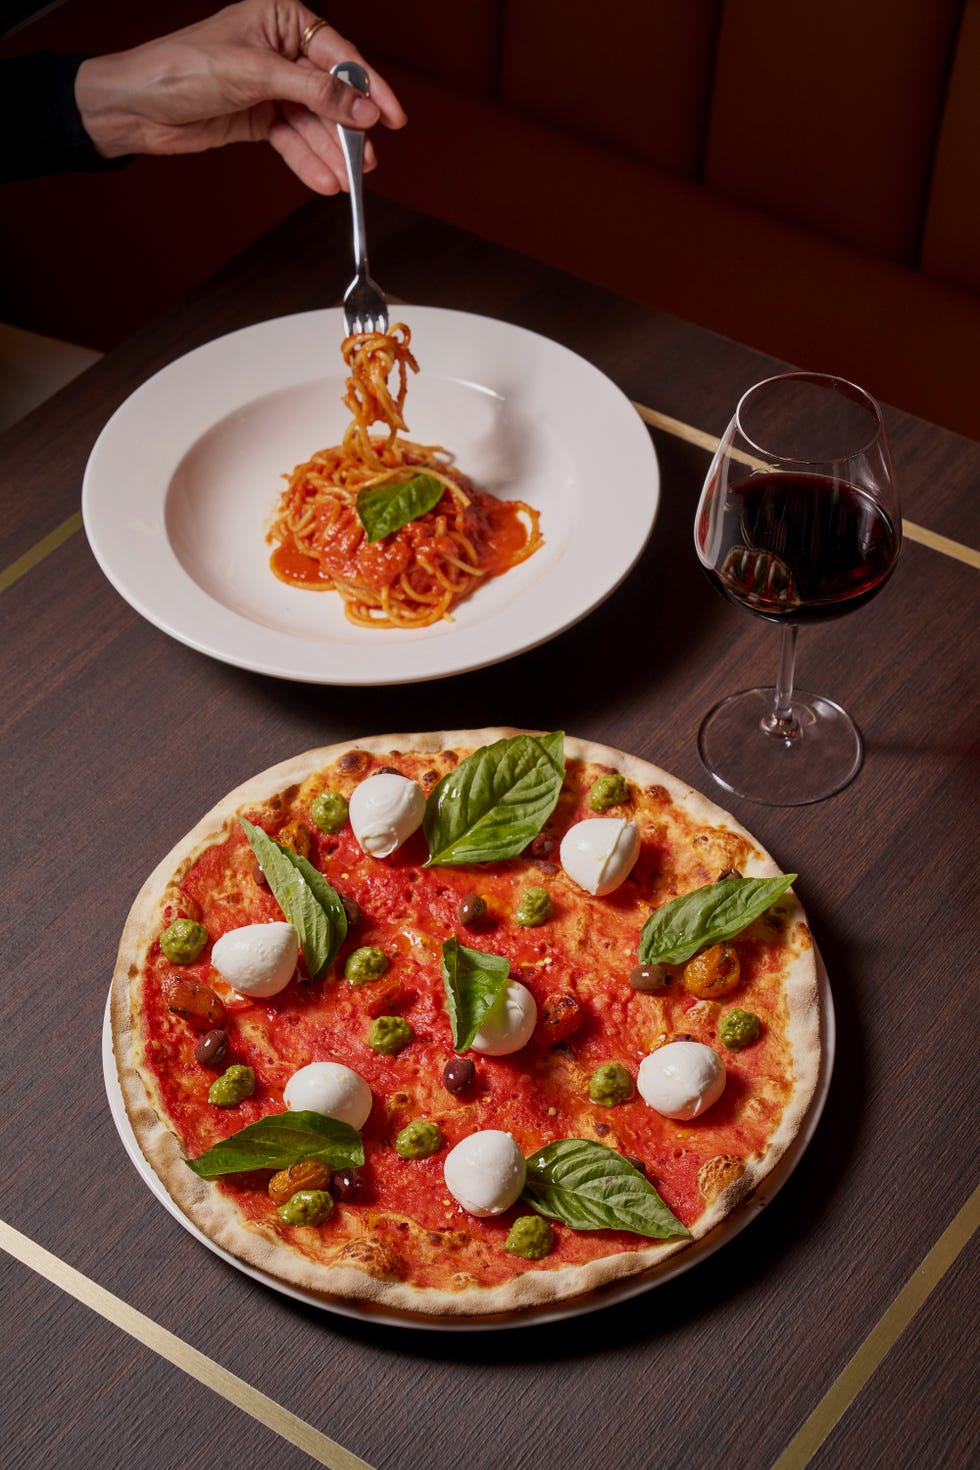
(781, 722)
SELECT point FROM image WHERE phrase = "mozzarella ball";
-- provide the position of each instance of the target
(257, 959)
(332, 1089)
(485, 1172)
(384, 811)
(682, 1079)
(508, 1024)
(599, 853)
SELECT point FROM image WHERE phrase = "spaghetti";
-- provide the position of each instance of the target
(415, 575)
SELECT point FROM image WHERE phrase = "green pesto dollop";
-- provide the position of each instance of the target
(183, 941)
(608, 791)
(418, 1139)
(610, 1084)
(738, 1028)
(307, 1207)
(530, 1237)
(365, 964)
(233, 1086)
(389, 1034)
(534, 908)
(329, 811)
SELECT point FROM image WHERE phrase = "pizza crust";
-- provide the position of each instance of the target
(366, 1277)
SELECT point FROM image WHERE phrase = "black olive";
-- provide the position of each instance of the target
(347, 1184)
(458, 1074)
(638, 1164)
(352, 909)
(212, 1048)
(648, 977)
(471, 910)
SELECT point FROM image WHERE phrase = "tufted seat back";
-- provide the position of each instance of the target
(803, 178)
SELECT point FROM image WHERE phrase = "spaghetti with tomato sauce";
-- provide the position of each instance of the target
(415, 575)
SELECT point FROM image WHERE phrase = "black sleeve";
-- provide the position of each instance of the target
(41, 131)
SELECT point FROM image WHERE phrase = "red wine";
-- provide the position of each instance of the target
(798, 548)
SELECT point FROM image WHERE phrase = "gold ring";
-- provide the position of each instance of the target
(308, 34)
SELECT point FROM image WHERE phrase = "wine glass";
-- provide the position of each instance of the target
(798, 522)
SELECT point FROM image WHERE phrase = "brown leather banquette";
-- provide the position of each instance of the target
(805, 179)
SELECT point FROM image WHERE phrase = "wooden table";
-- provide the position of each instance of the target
(836, 1329)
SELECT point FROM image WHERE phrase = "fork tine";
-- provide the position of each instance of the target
(358, 322)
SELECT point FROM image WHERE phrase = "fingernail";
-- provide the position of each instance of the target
(364, 110)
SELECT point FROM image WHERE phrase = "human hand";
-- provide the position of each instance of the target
(237, 76)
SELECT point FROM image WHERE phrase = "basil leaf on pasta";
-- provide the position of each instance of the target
(473, 981)
(280, 1140)
(590, 1187)
(306, 898)
(386, 508)
(706, 916)
(495, 801)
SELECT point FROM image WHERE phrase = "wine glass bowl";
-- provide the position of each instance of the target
(798, 523)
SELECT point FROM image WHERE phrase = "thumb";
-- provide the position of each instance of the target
(326, 96)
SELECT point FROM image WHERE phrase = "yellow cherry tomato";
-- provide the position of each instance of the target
(713, 972)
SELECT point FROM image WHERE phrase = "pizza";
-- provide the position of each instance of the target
(465, 1023)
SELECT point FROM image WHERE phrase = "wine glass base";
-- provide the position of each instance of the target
(820, 758)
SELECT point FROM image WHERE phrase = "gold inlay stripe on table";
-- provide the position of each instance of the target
(881, 1339)
(676, 427)
(243, 1395)
(935, 542)
(39, 551)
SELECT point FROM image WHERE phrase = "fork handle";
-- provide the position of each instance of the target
(352, 146)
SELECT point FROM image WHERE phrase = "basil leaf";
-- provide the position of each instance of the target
(280, 1140)
(473, 981)
(709, 914)
(305, 897)
(495, 801)
(590, 1187)
(386, 508)
(329, 900)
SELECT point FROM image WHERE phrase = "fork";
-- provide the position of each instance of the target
(365, 307)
